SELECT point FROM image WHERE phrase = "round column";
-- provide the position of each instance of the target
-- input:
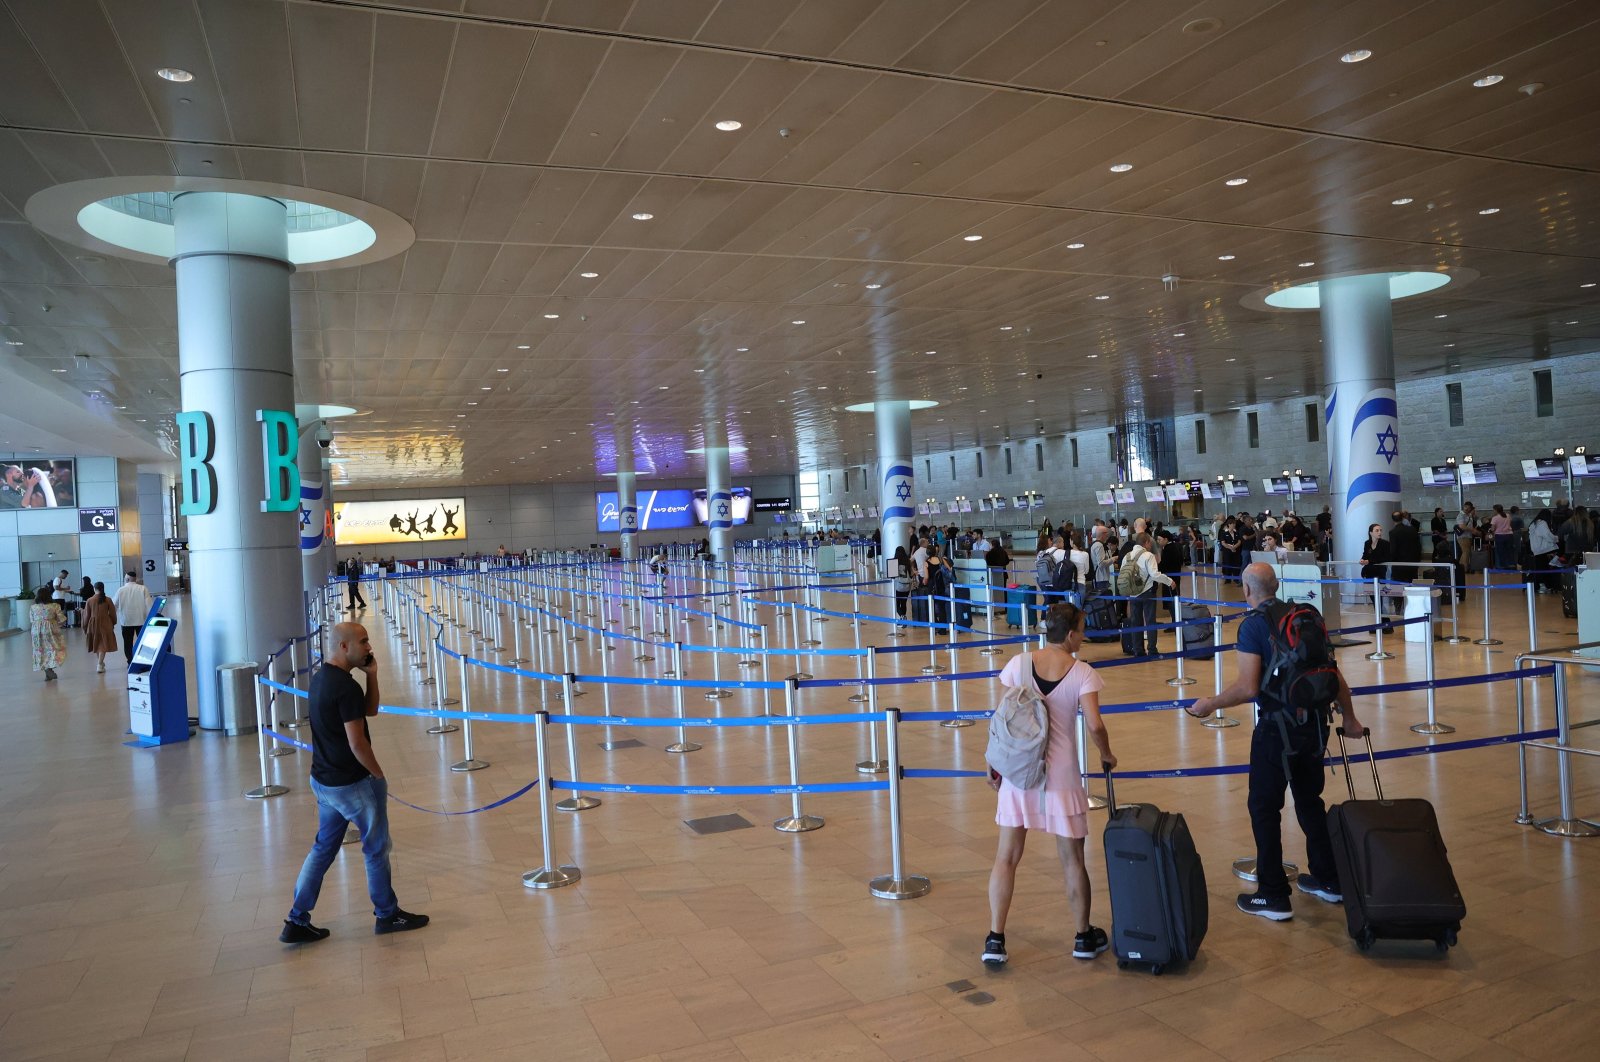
(897, 488)
(1361, 410)
(719, 502)
(628, 514)
(316, 550)
(234, 358)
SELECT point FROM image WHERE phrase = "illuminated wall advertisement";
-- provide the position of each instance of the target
(376, 523)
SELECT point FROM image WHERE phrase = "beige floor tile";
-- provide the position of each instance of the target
(634, 968)
(646, 1023)
(792, 991)
(437, 1006)
(914, 1026)
(812, 1040)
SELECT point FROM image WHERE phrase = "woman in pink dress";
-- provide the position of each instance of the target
(1067, 685)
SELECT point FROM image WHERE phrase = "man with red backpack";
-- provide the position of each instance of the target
(1287, 668)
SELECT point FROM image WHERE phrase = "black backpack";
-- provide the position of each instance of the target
(1301, 678)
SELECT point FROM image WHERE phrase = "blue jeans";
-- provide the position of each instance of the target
(365, 805)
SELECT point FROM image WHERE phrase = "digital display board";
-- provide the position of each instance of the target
(1124, 496)
(1102, 497)
(1236, 488)
(375, 523)
(1439, 476)
(739, 510)
(773, 505)
(1275, 485)
(1584, 465)
(1304, 484)
(1476, 475)
(1544, 468)
(658, 510)
(1157, 493)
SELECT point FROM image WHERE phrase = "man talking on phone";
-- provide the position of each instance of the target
(350, 788)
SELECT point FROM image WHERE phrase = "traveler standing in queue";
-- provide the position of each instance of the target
(1285, 752)
(1061, 808)
(350, 786)
(133, 605)
(1137, 578)
(905, 581)
(352, 574)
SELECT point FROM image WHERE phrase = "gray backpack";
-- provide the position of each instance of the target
(1019, 732)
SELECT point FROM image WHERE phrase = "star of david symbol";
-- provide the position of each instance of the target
(305, 517)
(722, 508)
(902, 490)
(1388, 445)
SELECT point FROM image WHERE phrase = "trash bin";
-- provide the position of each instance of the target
(1421, 598)
(237, 686)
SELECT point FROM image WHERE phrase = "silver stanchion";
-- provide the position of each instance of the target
(855, 633)
(1177, 617)
(1533, 633)
(716, 694)
(297, 720)
(988, 616)
(1432, 726)
(932, 667)
(468, 761)
(267, 788)
(516, 633)
(577, 801)
(1567, 824)
(1095, 802)
(273, 710)
(874, 763)
(1486, 639)
(683, 744)
(1218, 720)
(1378, 653)
(1456, 637)
(797, 820)
(609, 744)
(897, 884)
(1524, 817)
(794, 642)
(548, 875)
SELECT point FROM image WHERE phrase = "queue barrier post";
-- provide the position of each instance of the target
(797, 821)
(1218, 720)
(1567, 824)
(267, 788)
(468, 761)
(1533, 633)
(1379, 653)
(1095, 802)
(897, 884)
(548, 875)
(1487, 639)
(1456, 637)
(683, 744)
(874, 763)
(717, 693)
(932, 667)
(1180, 630)
(274, 710)
(859, 696)
(1524, 817)
(955, 687)
(577, 801)
(1432, 726)
(296, 720)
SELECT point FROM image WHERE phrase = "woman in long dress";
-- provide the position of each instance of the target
(100, 626)
(49, 644)
(1061, 808)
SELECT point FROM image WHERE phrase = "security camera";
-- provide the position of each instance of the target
(324, 436)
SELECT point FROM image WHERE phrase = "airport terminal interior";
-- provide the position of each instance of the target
(597, 358)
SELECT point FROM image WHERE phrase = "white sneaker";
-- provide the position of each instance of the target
(101, 669)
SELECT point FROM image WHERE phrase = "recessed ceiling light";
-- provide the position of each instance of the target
(13, 342)
(872, 372)
(1266, 377)
(935, 351)
(58, 370)
(1101, 298)
(642, 216)
(798, 322)
(1122, 167)
(1488, 79)
(588, 276)
(1005, 328)
(699, 370)
(173, 73)
(972, 237)
(522, 346)
(1588, 285)
(1307, 265)
(1225, 257)
(1486, 211)
(472, 403)
(486, 389)
(728, 125)
(460, 415)
(874, 287)
(1093, 356)
(822, 387)
(1402, 201)
(1234, 182)
(1074, 246)
(1179, 335)
(551, 316)
(741, 350)
(1572, 322)
(1232, 359)
(663, 387)
(1360, 55)
(1440, 316)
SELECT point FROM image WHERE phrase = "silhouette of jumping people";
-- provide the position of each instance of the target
(411, 524)
(450, 527)
(394, 523)
(427, 525)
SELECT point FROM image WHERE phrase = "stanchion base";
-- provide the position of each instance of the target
(1096, 803)
(1245, 869)
(1185, 681)
(468, 765)
(1487, 641)
(856, 698)
(575, 695)
(1433, 728)
(991, 651)
(1455, 639)
(810, 643)
(669, 674)
(821, 619)
(643, 658)
(296, 724)
(1220, 722)
(262, 792)
(748, 663)
(684, 746)
(934, 669)
(517, 660)
(718, 695)
(282, 750)
(351, 836)
(429, 681)
(577, 803)
(1380, 656)
(798, 824)
(1524, 820)
(450, 700)
(955, 724)
(801, 676)
(889, 887)
(545, 878)
(443, 728)
(1568, 827)
(873, 767)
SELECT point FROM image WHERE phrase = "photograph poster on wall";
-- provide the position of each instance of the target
(38, 483)
(375, 523)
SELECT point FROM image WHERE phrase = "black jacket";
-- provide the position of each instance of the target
(1405, 543)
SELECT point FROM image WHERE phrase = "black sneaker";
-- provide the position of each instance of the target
(1279, 910)
(1089, 943)
(400, 922)
(295, 933)
(994, 950)
(1312, 887)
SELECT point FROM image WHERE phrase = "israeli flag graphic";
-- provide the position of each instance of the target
(1364, 462)
(720, 510)
(897, 494)
(312, 508)
(628, 519)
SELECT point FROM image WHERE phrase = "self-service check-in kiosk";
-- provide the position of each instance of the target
(158, 693)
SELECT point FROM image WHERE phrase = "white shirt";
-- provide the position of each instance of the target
(1080, 561)
(982, 546)
(1147, 562)
(61, 583)
(133, 603)
(920, 559)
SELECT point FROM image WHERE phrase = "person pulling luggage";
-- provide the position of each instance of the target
(1287, 668)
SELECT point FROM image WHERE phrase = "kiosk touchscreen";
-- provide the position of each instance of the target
(158, 694)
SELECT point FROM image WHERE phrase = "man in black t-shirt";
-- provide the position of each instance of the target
(350, 788)
(1269, 756)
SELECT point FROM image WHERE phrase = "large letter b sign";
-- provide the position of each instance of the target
(197, 445)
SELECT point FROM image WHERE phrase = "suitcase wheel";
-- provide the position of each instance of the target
(1122, 964)
(1447, 941)
(1156, 969)
(1364, 941)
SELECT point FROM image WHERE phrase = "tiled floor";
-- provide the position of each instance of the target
(140, 895)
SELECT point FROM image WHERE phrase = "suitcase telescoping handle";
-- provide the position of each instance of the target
(1111, 791)
(1372, 761)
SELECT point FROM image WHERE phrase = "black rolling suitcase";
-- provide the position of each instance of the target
(1159, 908)
(963, 605)
(1102, 621)
(1393, 869)
(1569, 594)
(1197, 635)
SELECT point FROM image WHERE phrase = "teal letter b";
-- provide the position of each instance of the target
(279, 443)
(197, 445)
